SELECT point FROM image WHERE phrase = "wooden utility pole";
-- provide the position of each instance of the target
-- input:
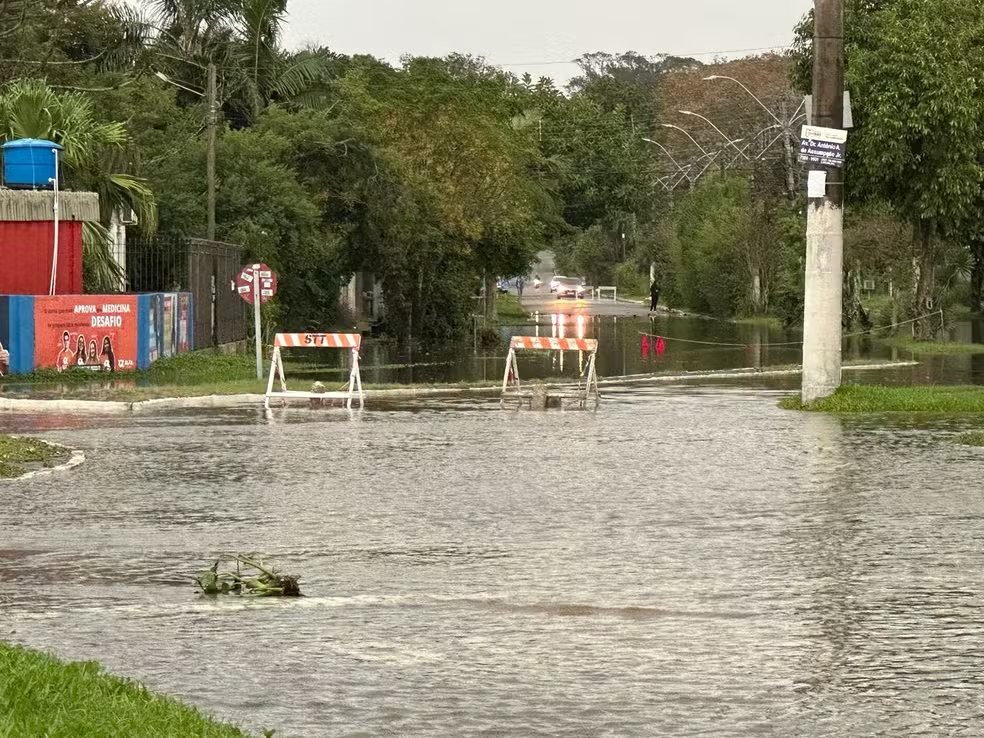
(822, 332)
(212, 103)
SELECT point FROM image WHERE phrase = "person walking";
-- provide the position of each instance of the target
(519, 286)
(653, 295)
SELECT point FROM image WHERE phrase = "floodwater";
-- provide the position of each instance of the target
(626, 346)
(685, 561)
(690, 344)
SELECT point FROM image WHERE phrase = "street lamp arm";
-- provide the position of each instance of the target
(685, 133)
(708, 121)
(664, 150)
(750, 94)
(164, 78)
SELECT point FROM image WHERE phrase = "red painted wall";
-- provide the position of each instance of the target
(25, 257)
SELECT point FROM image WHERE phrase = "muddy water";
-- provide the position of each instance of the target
(690, 344)
(685, 561)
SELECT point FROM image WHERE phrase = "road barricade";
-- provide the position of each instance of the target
(532, 394)
(350, 341)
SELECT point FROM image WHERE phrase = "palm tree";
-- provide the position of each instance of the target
(242, 38)
(95, 158)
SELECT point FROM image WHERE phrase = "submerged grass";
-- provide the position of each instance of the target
(971, 438)
(927, 348)
(15, 453)
(767, 321)
(42, 696)
(880, 399)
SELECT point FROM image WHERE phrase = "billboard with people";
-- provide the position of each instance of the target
(97, 333)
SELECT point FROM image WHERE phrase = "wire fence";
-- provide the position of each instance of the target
(206, 269)
(865, 332)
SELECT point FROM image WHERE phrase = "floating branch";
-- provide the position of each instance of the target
(251, 577)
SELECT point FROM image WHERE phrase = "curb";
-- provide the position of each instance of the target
(103, 406)
(76, 458)
(254, 400)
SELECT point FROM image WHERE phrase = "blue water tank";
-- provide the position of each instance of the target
(29, 164)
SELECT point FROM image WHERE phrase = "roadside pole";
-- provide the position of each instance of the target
(822, 310)
(257, 328)
(256, 284)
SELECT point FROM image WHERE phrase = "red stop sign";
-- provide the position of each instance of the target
(255, 277)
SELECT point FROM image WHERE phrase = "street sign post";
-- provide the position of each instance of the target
(257, 284)
(822, 146)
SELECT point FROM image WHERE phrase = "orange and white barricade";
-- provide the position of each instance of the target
(510, 379)
(350, 341)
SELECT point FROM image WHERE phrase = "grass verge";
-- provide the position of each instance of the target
(15, 453)
(768, 321)
(196, 367)
(940, 348)
(40, 695)
(880, 399)
(508, 309)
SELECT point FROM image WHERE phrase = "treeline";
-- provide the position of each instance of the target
(915, 167)
(440, 175)
(437, 175)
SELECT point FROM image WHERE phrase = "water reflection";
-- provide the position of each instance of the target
(688, 345)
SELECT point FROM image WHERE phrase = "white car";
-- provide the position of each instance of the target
(568, 287)
(555, 282)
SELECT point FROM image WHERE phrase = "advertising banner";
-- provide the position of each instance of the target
(185, 318)
(155, 336)
(97, 332)
(170, 324)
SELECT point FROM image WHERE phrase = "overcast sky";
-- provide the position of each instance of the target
(521, 35)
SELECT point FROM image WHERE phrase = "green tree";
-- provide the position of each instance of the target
(95, 158)
(917, 74)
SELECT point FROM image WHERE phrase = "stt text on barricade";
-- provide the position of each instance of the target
(351, 341)
(512, 389)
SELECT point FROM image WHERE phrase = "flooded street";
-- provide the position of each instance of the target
(685, 561)
(691, 344)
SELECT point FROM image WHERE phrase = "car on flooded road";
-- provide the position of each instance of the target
(570, 287)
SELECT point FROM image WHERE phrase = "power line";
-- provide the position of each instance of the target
(694, 54)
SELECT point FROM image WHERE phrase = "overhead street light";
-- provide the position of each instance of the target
(685, 133)
(708, 121)
(750, 94)
(664, 150)
(210, 96)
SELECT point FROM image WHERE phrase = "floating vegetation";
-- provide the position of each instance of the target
(250, 577)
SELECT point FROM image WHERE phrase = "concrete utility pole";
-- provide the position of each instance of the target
(825, 216)
(211, 95)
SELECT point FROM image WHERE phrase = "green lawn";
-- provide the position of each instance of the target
(508, 309)
(42, 696)
(16, 453)
(879, 399)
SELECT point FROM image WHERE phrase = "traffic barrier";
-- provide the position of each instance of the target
(511, 387)
(351, 341)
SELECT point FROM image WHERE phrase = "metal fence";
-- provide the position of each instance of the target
(207, 269)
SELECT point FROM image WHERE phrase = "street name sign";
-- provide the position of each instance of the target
(823, 146)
